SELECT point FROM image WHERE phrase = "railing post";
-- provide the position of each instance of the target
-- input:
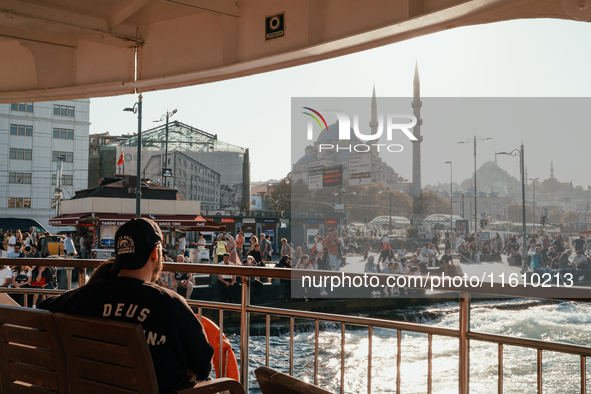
(69, 278)
(464, 383)
(244, 332)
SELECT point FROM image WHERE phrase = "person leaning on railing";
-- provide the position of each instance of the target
(227, 283)
(256, 254)
(184, 279)
(176, 339)
(285, 262)
(255, 284)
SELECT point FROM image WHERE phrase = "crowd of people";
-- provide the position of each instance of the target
(544, 254)
(226, 249)
(26, 245)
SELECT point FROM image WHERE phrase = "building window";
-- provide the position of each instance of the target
(63, 110)
(66, 180)
(19, 129)
(19, 202)
(21, 154)
(19, 177)
(22, 107)
(64, 134)
(68, 156)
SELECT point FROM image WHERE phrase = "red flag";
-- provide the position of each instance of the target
(120, 159)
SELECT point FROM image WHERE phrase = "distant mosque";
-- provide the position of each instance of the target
(381, 171)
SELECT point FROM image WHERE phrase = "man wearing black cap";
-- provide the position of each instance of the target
(176, 338)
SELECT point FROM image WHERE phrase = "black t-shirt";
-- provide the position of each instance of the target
(21, 276)
(447, 259)
(181, 276)
(257, 256)
(176, 338)
(579, 244)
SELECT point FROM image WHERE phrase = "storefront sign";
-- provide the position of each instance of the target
(107, 235)
(113, 223)
(227, 220)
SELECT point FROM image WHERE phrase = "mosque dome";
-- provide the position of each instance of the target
(332, 134)
(307, 158)
(490, 165)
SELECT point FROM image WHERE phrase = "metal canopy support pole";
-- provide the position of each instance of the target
(464, 378)
(138, 191)
(244, 332)
(166, 146)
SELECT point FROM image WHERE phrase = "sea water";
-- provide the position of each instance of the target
(566, 322)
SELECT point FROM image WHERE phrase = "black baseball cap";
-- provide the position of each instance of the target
(134, 242)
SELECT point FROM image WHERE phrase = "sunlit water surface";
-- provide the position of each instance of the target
(565, 322)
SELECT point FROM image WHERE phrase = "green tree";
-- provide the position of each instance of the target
(570, 217)
(429, 203)
(515, 213)
(281, 196)
(555, 215)
(374, 200)
(551, 185)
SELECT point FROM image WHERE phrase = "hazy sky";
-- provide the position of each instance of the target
(527, 58)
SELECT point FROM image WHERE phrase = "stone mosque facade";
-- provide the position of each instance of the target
(381, 171)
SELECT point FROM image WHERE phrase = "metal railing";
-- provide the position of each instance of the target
(463, 333)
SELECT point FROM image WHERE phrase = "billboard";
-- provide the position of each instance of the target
(256, 203)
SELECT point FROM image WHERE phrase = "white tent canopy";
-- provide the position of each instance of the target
(380, 220)
(67, 49)
(441, 218)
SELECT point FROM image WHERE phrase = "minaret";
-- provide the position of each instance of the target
(416, 147)
(373, 124)
(551, 169)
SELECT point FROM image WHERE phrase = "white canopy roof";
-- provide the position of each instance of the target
(66, 49)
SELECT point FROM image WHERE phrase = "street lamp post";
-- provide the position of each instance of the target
(534, 180)
(475, 138)
(58, 184)
(165, 171)
(514, 153)
(137, 108)
(389, 212)
(451, 208)
(390, 216)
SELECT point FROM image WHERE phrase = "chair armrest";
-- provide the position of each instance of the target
(214, 386)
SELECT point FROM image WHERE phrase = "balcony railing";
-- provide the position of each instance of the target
(463, 333)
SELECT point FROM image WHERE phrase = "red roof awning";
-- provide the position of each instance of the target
(66, 220)
(182, 222)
